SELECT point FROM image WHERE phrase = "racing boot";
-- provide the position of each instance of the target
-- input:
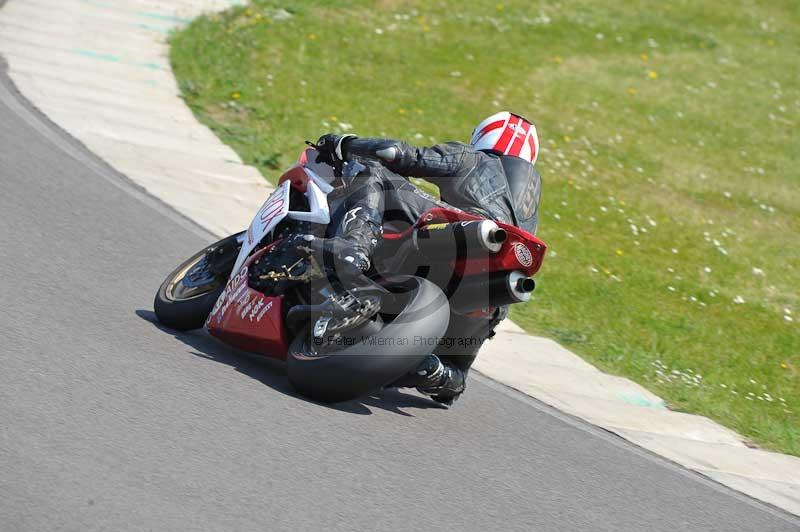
(443, 382)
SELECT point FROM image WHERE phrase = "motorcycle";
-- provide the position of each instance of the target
(341, 339)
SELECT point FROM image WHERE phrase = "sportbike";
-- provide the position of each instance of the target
(340, 339)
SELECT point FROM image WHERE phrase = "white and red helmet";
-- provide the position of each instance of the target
(505, 133)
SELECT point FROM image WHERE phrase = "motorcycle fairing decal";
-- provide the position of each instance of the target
(276, 208)
(269, 215)
(249, 319)
(233, 290)
(252, 322)
(523, 254)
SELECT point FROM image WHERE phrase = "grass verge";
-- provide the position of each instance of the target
(669, 154)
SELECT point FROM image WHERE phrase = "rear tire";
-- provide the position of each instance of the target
(379, 358)
(185, 314)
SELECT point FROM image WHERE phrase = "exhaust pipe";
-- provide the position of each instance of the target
(495, 290)
(448, 241)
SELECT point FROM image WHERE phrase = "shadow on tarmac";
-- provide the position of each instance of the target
(272, 373)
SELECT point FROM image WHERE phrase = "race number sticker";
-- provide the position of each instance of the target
(269, 215)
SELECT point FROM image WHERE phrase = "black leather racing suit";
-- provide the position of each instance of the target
(501, 188)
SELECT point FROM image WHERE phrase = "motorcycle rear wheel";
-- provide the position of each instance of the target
(367, 363)
(185, 308)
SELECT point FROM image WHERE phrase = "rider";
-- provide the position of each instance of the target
(492, 177)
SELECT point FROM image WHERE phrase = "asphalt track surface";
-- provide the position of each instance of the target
(109, 422)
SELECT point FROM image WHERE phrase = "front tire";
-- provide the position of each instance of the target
(378, 358)
(186, 308)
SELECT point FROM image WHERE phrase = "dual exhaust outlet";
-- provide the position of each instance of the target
(467, 240)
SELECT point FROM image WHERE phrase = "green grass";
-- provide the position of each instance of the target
(669, 154)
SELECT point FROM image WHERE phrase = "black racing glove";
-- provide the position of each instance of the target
(331, 149)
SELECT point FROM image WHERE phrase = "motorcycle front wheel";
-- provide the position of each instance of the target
(188, 294)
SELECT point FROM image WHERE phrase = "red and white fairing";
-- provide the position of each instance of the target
(276, 208)
(246, 318)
